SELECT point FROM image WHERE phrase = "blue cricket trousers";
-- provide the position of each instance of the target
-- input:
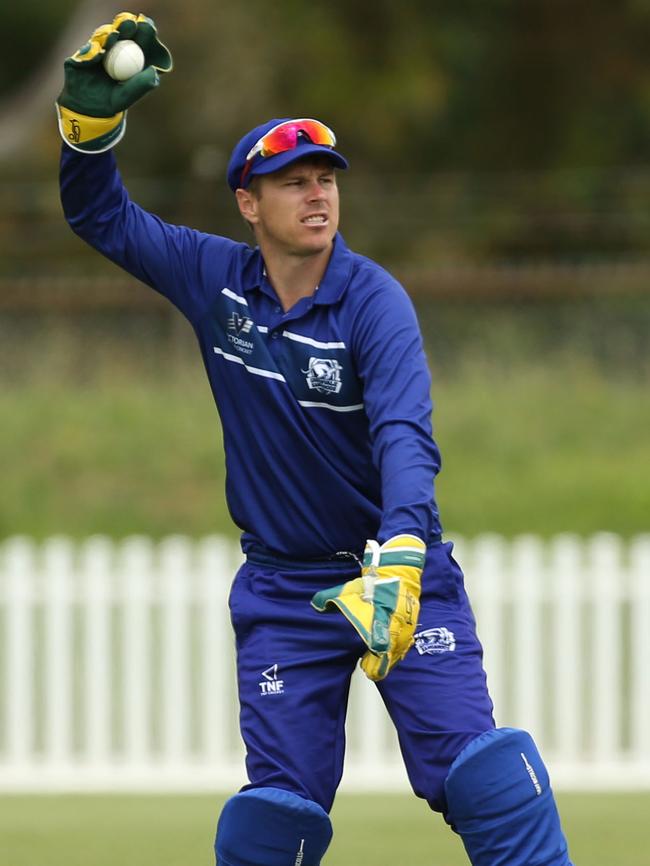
(294, 667)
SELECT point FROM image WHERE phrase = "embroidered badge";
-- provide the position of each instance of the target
(324, 375)
(435, 640)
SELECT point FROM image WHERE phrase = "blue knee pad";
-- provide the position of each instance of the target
(271, 827)
(501, 804)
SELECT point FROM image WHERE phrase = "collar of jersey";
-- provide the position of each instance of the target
(332, 286)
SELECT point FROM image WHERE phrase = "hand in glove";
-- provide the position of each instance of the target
(384, 603)
(92, 106)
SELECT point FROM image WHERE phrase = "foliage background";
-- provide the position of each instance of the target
(499, 168)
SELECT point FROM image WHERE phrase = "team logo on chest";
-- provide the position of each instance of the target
(324, 375)
(238, 326)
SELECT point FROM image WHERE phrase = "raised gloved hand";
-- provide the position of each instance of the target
(384, 603)
(92, 106)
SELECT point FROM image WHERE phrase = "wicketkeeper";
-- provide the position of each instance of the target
(315, 360)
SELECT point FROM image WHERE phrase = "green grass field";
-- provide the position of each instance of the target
(603, 830)
(532, 449)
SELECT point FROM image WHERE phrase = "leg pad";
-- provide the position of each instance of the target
(271, 827)
(501, 804)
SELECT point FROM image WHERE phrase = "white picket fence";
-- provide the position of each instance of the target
(116, 663)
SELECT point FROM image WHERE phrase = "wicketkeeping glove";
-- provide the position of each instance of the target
(92, 106)
(384, 603)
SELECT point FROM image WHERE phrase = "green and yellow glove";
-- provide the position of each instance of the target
(384, 603)
(92, 106)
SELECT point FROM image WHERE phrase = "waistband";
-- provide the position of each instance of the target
(341, 558)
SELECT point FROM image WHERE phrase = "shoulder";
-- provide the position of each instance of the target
(221, 261)
(370, 276)
(374, 291)
(376, 308)
(215, 250)
(372, 285)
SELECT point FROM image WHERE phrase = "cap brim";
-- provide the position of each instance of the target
(281, 160)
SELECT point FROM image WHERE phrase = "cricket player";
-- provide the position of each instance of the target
(315, 360)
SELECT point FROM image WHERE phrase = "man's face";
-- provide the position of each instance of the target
(295, 210)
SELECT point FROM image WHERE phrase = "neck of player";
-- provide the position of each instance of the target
(294, 276)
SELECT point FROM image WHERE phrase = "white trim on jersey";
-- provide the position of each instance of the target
(257, 371)
(309, 404)
(230, 294)
(317, 344)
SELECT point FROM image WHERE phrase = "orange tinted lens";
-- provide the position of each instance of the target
(285, 136)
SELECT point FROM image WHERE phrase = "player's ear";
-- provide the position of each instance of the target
(247, 203)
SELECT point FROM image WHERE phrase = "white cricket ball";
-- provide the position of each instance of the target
(124, 60)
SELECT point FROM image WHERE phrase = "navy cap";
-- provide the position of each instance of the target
(268, 164)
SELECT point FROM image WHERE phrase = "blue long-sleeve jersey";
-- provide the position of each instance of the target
(325, 409)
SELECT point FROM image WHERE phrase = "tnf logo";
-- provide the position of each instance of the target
(271, 685)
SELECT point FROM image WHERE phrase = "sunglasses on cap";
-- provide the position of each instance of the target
(285, 136)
